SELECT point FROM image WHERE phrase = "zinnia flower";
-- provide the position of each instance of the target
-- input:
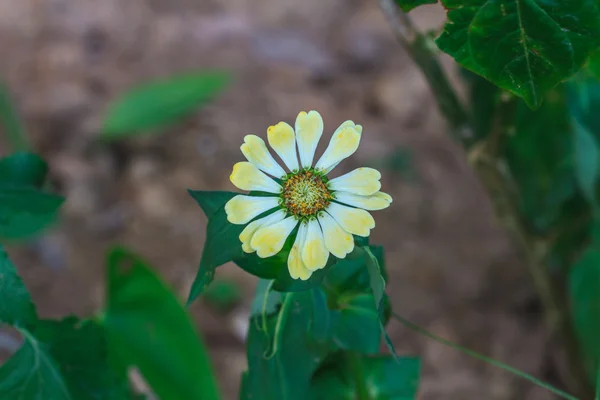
(326, 211)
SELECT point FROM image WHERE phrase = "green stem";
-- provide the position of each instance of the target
(483, 358)
(356, 368)
(281, 320)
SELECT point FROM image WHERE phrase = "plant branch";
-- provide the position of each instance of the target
(485, 158)
(483, 358)
(423, 51)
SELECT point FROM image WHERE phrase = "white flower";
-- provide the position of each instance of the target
(326, 212)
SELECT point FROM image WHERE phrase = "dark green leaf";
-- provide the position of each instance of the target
(584, 292)
(23, 169)
(355, 326)
(79, 349)
(593, 64)
(407, 5)
(211, 201)
(223, 295)
(148, 328)
(32, 374)
(538, 160)
(524, 46)
(25, 211)
(222, 245)
(285, 375)
(586, 161)
(384, 378)
(16, 307)
(10, 121)
(160, 103)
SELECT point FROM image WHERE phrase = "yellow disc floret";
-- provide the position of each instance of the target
(305, 194)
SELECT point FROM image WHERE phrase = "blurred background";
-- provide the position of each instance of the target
(452, 269)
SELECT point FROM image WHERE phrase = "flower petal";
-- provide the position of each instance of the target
(309, 128)
(372, 203)
(269, 240)
(283, 140)
(255, 150)
(246, 176)
(296, 266)
(343, 144)
(362, 181)
(314, 251)
(241, 209)
(338, 241)
(384, 196)
(354, 220)
(252, 227)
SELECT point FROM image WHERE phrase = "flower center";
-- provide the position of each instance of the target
(305, 194)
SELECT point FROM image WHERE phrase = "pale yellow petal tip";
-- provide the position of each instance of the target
(247, 248)
(384, 196)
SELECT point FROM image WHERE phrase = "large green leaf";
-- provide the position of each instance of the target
(10, 121)
(285, 374)
(16, 307)
(25, 211)
(62, 360)
(80, 350)
(584, 293)
(407, 5)
(149, 328)
(32, 374)
(540, 160)
(355, 324)
(524, 46)
(23, 169)
(160, 103)
(384, 378)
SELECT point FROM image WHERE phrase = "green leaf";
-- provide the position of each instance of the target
(407, 5)
(593, 64)
(32, 373)
(586, 161)
(23, 169)
(16, 307)
(148, 328)
(160, 103)
(524, 46)
(286, 374)
(25, 211)
(211, 201)
(10, 121)
(222, 245)
(80, 350)
(542, 168)
(384, 378)
(584, 293)
(355, 325)
(223, 295)
(62, 360)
